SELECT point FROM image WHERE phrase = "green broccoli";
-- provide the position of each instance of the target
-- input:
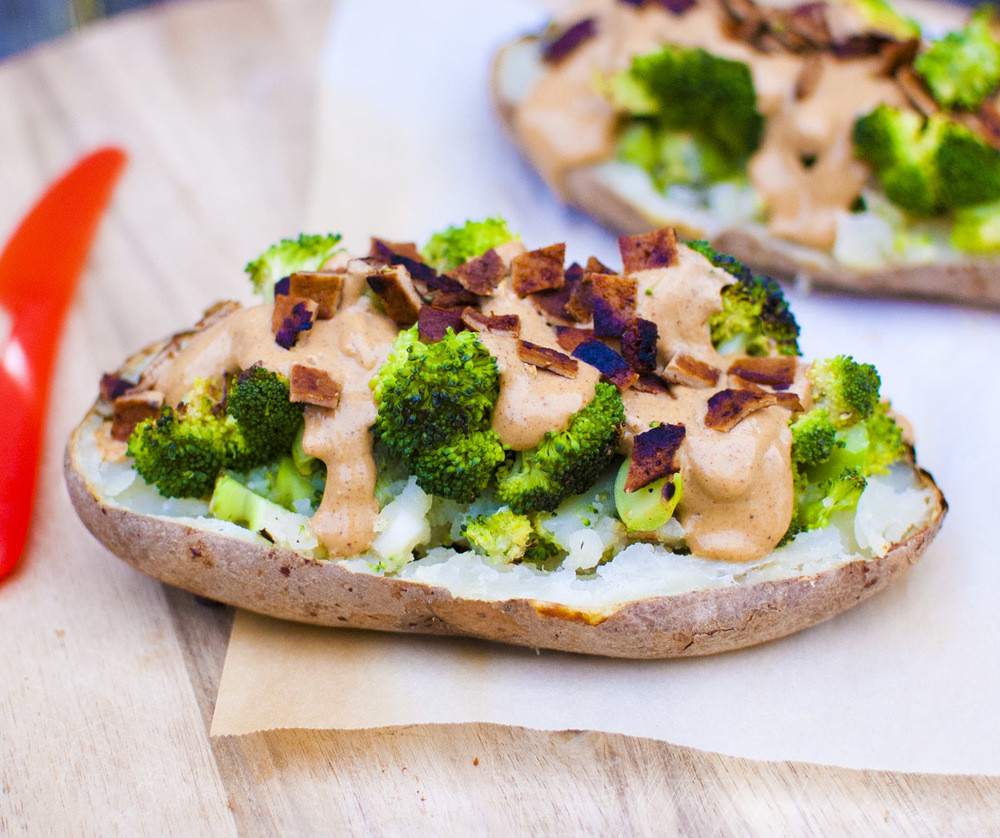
(232, 501)
(927, 166)
(457, 245)
(755, 317)
(508, 537)
(306, 253)
(691, 117)
(435, 402)
(649, 507)
(900, 146)
(259, 401)
(977, 229)
(565, 463)
(963, 68)
(183, 450)
(968, 168)
(284, 483)
(846, 437)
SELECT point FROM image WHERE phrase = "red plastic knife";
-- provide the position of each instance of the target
(39, 269)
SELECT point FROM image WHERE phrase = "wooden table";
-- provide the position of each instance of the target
(108, 679)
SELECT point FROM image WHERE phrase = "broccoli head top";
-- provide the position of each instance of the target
(755, 317)
(306, 253)
(457, 245)
(678, 89)
(435, 402)
(508, 537)
(963, 68)
(848, 436)
(927, 166)
(565, 463)
(183, 450)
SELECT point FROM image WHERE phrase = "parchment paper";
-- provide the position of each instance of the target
(909, 680)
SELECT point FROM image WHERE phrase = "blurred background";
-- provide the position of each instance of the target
(24, 23)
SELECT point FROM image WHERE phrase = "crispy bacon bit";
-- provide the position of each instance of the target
(778, 372)
(596, 266)
(291, 316)
(898, 54)
(989, 120)
(216, 312)
(614, 303)
(727, 408)
(610, 364)
(538, 270)
(313, 386)
(652, 383)
(857, 46)
(690, 372)
(133, 408)
(569, 39)
(915, 91)
(580, 305)
(481, 275)
(321, 286)
(809, 76)
(547, 359)
(789, 400)
(395, 289)
(639, 345)
(809, 22)
(401, 253)
(554, 303)
(569, 337)
(654, 455)
(649, 250)
(509, 324)
(433, 323)
(113, 386)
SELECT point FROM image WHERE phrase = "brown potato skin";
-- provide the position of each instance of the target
(283, 584)
(972, 281)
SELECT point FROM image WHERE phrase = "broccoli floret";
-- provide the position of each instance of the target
(565, 463)
(900, 146)
(232, 501)
(503, 536)
(700, 111)
(968, 168)
(848, 436)
(286, 485)
(927, 166)
(813, 438)
(817, 502)
(846, 390)
(963, 68)
(259, 401)
(977, 229)
(435, 403)
(457, 245)
(755, 317)
(183, 450)
(649, 507)
(306, 253)
(461, 468)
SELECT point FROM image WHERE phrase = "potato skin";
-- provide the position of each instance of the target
(971, 281)
(283, 584)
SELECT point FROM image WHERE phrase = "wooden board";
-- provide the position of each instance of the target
(109, 678)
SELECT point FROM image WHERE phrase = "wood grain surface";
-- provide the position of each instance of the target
(108, 679)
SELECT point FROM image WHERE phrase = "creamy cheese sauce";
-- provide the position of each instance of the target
(737, 500)
(804, 170)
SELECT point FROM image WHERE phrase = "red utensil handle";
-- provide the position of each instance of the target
(39, 269)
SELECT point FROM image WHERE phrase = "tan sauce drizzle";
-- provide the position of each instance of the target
(565, 122)
(532, 401)
(350, 346)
